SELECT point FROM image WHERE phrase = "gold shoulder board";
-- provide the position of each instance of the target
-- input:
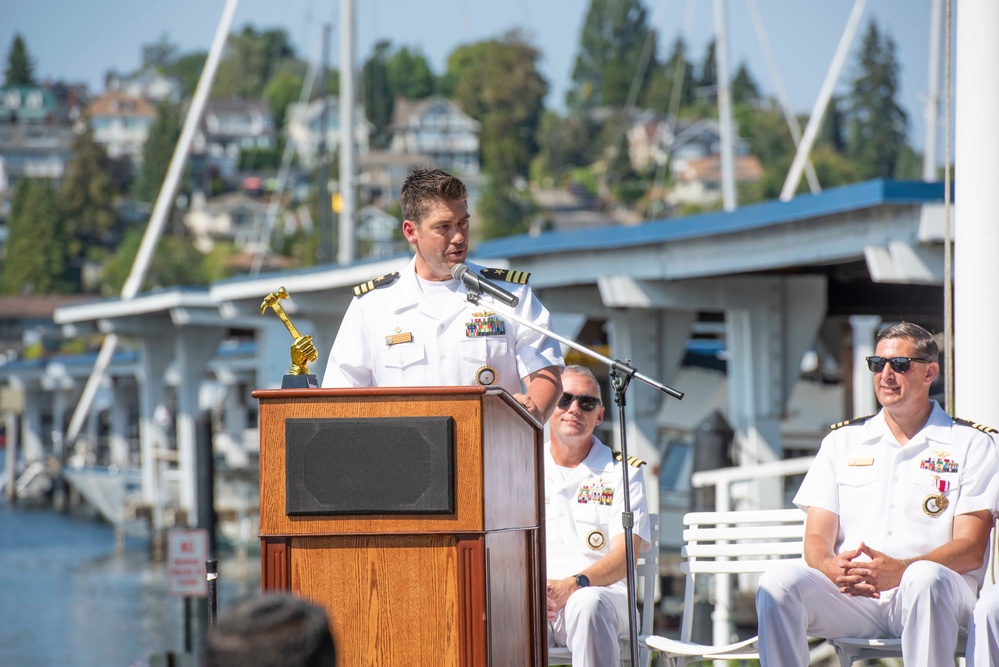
(508, 275)
(848, 422)
(980, 427)
(632, 460)
(380, 281)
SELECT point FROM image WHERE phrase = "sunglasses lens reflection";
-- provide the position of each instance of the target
(898, 364)
(586, 403)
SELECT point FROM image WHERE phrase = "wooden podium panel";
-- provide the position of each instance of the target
(460, 588)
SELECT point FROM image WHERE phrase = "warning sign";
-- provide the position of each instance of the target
(187, 551)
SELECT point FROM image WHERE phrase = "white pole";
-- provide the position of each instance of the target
(825, 93)
(164, 201)
(931, 111)
(725, 129)
(976, 208)
(348, 159)
(722, 626)
(864, 328)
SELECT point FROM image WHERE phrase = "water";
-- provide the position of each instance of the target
(68, 600)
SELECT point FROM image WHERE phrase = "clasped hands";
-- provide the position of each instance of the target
(558, 592)
(865, 578)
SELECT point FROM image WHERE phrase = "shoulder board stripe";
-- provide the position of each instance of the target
(848, 422)
(508, 275)
(632, 460)
(980, 427)
(380, 281)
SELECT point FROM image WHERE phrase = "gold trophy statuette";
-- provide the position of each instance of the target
(302, 350)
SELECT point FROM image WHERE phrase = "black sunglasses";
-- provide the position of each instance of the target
(898, 364)
(586, 403)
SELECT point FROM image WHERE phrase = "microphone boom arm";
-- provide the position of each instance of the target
(624, 369)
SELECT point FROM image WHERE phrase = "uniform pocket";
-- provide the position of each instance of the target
(857, 490)
(404, 365)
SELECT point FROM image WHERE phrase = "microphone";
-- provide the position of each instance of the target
(480, 285)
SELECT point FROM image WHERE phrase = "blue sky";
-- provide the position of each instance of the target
(79, 41)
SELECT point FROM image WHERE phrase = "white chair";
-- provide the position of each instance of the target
(646, 572)
(851, 649)
(728, 543)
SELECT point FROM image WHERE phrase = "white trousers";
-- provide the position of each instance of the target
(983, 630)
(795, 602)
(589, 624)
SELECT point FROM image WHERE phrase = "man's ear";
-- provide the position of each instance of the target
(932, 371)
(409, 230)
(600, 416)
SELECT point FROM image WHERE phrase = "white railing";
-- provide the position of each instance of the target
(724, 478)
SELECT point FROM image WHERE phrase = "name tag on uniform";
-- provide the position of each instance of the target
(860, 462)
(397, 338)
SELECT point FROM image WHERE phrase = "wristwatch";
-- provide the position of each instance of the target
(582, 581)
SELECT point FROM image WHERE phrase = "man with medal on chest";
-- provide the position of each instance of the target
(584, 534)
(899, 514)
(416, 328)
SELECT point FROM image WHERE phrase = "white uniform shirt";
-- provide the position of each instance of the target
(879, 488)
(448, 346)
(583, 507)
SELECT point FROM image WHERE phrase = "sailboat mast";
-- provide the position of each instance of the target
(348, 157)
(725, 129)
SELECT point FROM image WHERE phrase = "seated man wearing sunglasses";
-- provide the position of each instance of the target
(585, 543)
(899, 513)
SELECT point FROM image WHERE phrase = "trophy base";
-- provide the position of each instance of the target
(305, 381)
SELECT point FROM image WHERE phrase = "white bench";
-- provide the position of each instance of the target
(723, 544)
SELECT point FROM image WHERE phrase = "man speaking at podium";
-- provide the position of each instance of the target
(415, 328)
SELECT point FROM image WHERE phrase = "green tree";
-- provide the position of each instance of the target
(159, 55)
(497, 82)
(743, 88)
(34, 261)
(86, 202)
(156, 154)
(250, 59)
(20, 67)
(877, 124)
(187, 68)
(707, 78)
(610, 51)
(564, 144)
(388, 75)
(378, 96)
(409, 74)
(284, 88)
(500, 212)
(832, 131)
(672, 82)
(175, 262)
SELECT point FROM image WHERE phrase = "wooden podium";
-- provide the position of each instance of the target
(413, 516)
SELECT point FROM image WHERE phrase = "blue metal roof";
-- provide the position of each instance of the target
(829, 202)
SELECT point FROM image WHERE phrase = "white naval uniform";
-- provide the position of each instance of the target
(442, 351)
(583, 507)
(878, 489)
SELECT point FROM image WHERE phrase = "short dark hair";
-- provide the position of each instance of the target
(926, 345)
(426, 185)
(272, 630)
